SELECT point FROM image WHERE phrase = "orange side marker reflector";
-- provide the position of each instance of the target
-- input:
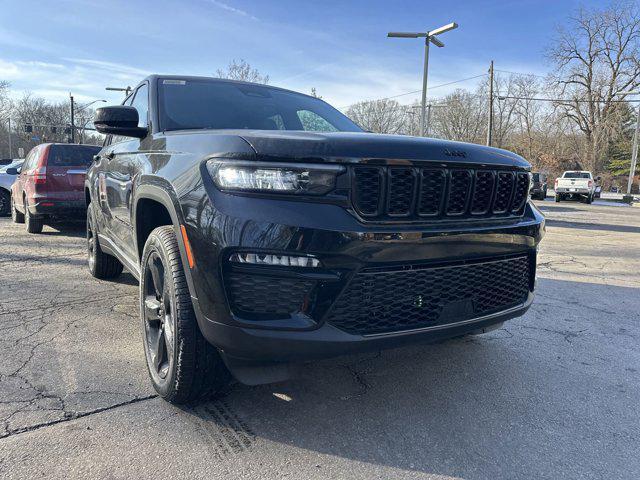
(187, 246)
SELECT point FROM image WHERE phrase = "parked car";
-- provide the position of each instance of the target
(265, 228)
(51, 184)
(6, 180)
(575, 184)
(538, 185)
(597, 192)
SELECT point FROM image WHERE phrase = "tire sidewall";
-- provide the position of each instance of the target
(91, 228)
(6, 196)
(164, 386)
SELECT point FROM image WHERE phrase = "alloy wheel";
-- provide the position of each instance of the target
(158, 318)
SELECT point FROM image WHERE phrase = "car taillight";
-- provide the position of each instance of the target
(556, 184)
(40, 175)
(40, 172)
(590, 183)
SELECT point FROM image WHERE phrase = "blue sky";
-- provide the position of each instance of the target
(339, 47)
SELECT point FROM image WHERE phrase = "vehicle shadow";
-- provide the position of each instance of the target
(75, 230)
(515, 403)
(593, 226)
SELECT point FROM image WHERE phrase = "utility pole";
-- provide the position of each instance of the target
(428, 127)
(490, 119)
(634, 154)
(10, 149)
(73, 121)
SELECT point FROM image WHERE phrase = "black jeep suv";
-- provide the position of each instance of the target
(266, 228)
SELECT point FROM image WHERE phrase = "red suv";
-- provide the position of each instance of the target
(51, 184)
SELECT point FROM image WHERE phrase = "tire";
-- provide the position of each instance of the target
(558, 198)
(589, 199)
(16, 216)
(101, 265)
(5, 203)
(32, 224)
(182, 365)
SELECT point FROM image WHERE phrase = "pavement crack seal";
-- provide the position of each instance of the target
(74, 416)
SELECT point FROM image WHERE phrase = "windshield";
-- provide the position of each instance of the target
(215, 104)
(576, 175)
(71, 155)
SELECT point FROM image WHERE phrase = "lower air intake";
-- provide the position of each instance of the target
(412, 296)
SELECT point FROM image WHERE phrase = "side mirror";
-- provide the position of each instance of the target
(598, 179)
(119, 120)
(12, 171)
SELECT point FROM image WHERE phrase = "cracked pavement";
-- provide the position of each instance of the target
(554, 394)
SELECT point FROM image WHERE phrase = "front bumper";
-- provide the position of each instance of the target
(345, 247)
(260, 346)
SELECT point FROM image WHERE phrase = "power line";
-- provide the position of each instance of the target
(418, 91)
(562, 100)
(521, 73)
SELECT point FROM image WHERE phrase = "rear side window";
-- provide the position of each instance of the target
(71, 155)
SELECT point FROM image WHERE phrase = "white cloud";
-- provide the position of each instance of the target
(85, 78)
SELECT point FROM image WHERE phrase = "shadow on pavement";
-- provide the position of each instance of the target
(593, 226)
(532, 400)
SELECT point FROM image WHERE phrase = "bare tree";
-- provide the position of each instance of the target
(463, 117)
(5, 101)
(379, 116)
(241, 70)
(594, 60)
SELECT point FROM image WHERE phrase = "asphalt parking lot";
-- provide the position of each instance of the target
(554, 394)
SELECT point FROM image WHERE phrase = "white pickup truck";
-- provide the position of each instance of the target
(575, 184)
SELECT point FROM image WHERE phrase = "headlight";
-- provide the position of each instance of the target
(274, 177)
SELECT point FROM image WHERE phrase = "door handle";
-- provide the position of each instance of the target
(110, 156)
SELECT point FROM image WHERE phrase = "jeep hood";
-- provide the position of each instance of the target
(372, 146)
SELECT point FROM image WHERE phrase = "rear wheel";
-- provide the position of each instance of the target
(5, 203)
(558, 198)
(16, 216)
(182, 365)
(101, 265)
(32, 224)
(590, 198)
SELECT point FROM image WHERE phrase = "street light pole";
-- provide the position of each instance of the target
(425, 74)
(429, 37)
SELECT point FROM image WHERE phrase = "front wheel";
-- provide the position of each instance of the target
(182, 365)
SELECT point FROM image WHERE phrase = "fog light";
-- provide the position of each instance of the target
(274, 260)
